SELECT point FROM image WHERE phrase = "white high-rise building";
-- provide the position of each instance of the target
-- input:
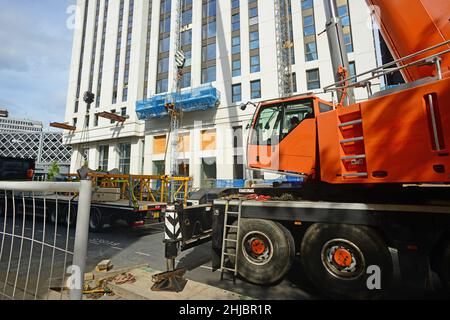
(124, 50)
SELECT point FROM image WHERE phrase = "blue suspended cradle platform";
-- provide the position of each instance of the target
(196, 99)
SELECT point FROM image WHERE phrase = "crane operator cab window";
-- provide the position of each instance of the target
(274, 123)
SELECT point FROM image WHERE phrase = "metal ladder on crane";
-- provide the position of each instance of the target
(227, 241)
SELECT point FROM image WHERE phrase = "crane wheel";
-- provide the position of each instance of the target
(346, 261)
(266, 251)
(444, 266)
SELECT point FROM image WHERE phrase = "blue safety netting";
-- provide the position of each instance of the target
(202, 98)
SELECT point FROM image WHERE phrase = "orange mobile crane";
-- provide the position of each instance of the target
(376, 172)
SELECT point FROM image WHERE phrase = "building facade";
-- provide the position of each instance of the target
(21, 138)
(124, 51)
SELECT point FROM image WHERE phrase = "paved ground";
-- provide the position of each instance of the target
(127, 247)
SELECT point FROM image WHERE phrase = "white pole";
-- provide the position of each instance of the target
(81, 238)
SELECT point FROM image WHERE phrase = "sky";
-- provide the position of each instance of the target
(35, 52)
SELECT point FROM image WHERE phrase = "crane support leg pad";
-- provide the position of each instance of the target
(171, 281)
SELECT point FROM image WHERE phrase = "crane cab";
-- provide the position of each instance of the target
(283, 138)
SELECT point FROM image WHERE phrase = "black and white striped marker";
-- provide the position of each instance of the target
(172, 224)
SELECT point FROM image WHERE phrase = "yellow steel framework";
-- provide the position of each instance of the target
(153, 188)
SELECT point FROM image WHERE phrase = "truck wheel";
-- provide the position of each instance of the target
(96, 222)
(267, 250)
(337, 257)
(72, 219)
(444, 266)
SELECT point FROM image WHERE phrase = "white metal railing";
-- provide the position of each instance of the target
(391, 67)
(37, 241)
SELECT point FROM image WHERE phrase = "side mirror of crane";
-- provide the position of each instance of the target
(243, 106)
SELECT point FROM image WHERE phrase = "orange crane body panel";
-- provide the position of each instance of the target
(409, 26)
(399, 139)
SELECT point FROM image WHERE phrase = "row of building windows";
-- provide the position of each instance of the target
(94, 49)
(255, 91)
(312, 83)
(126, 75)
(118, 51)
(209, 29)
(162, 81)
(80, 67)
(103, 160)
(102, 54)
(147, 49)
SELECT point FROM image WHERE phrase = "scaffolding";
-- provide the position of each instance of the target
(285, 44)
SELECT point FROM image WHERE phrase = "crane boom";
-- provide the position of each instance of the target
(409, 26)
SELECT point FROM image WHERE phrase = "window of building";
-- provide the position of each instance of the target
(253, 16)
(86, 121)
(235, 22)
(255, 87)
(254, 40)
(209, 52)
(294, 82)
(309, 28)
(313, 79)
(123, 112)
(159, 168)
(164, 25)
(186, 17)
(236, 92)
(124, 158)
(186, 37)
(255, 64)
(235, 45)
(162, 85)
(166, 5)
(163, 65)
(236, 66)
(311, 51)
(188, 56)
(348, 42)
(209, 30)
(186, 80)
(103, 158)
(209, 74)
(352, 71)
(307, 4)
(96, 120)
(164, 45)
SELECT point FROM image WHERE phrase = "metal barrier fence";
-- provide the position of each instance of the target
(40, 251)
